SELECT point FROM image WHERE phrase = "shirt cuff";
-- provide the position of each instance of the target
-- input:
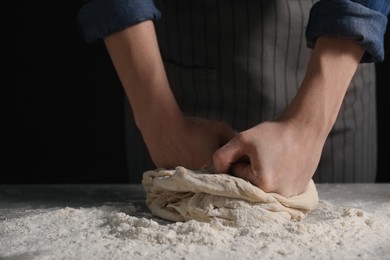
(349, 20)
(99, 18)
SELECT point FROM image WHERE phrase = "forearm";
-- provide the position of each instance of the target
(171, 138)
(330, 70)
(136, 57)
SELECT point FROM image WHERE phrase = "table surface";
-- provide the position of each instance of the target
(31, 219)
(17, 200)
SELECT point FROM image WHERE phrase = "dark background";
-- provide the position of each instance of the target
(67, 115)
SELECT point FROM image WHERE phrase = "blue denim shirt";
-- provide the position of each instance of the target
(362, 20)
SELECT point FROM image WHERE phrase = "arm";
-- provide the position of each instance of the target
(329, 72)
(127, 28)
(281, 156)
(136, 57)
(172, 139)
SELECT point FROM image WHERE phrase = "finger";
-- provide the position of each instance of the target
(244, 171)
(225, 156)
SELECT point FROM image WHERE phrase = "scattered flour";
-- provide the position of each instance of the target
(114, 232)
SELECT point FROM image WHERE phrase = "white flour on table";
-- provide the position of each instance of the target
(114, 232)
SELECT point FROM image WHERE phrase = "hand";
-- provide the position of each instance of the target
(274, 156)
(282, 156)
(189, 142)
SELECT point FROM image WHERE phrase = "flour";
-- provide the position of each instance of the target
(122, 232)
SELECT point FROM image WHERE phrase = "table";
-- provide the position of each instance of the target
(21, 202)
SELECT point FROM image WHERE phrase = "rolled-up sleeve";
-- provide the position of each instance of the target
(362, 20)
(99, 18)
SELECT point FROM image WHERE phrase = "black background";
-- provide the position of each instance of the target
(66, 113)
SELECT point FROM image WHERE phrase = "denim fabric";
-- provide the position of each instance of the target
(362, 20)
(382, 6)
(99, 18)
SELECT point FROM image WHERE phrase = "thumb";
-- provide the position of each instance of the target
(228, 154)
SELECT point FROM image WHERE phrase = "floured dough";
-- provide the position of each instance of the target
(182, 195)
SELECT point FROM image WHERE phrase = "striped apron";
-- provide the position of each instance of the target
(242, 62)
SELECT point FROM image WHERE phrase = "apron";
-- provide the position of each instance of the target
(242, 62)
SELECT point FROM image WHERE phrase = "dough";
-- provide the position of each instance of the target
(180, 195)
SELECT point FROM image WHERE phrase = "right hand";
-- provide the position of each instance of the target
(189, 142)
(278, 156)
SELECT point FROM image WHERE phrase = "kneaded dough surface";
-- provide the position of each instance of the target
(180, 195)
